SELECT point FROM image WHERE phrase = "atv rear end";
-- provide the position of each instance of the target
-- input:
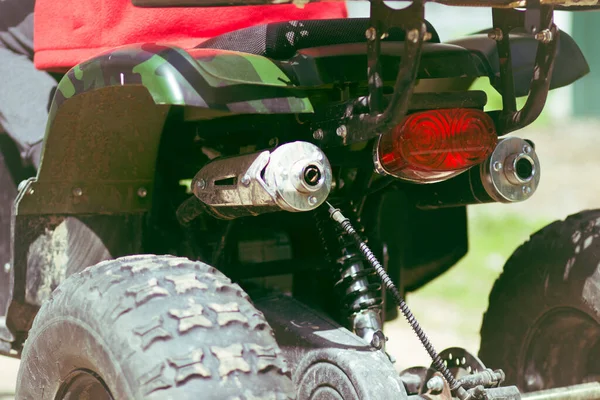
(270, 164)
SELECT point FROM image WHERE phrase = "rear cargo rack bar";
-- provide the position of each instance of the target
(510, 119)
(356, 125)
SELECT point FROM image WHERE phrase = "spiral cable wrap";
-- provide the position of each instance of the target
(346, 225)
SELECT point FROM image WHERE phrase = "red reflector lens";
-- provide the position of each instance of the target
(438, 144)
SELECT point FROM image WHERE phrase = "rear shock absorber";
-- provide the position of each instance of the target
(346, 225)
(359, 290)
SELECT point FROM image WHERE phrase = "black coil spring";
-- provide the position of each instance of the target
(387, 281)
(358, 285)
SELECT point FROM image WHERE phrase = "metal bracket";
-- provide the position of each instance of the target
(368, 119)
(362, 126)
(533, 16)
(510, 119)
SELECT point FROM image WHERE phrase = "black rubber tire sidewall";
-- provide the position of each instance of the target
(556, 270)
(141, 350)
(81, 348)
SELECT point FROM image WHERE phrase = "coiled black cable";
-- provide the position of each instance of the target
(345, 223)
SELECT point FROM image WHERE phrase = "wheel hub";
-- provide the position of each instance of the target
(83, 384)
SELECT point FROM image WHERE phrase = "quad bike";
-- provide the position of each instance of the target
(261, 162)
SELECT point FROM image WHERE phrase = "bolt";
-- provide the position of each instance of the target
(318, 134)
(526, 190)
(413, 35)
(201, 184)
(142, 192)
(376, 342)
(6, 268)
(246, 180)
(341, 131)
(496, 34)
(427, 36)
(527, 149)
(312, 200)
(370, 34)
(435, 384)
(544, 36)
(533, 382)
(497, 166)
(77, 192)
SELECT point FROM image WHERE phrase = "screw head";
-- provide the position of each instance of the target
(318, 134)
(526, 190)
(376, 341)
(246, 180)
(544, 36)
(273, 142)
(7, 267)
(497, 166)
(312, 200)
(142, 192)
(341, 131)
(435, 384)
(77, 192)
(527, 149)
(201, 184)
(413, 35)
(370, 34)
(496, 34)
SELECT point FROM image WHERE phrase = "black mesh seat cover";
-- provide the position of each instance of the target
(280, 41)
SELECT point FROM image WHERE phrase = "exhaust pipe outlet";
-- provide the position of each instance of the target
(510, 174)
(294, 177)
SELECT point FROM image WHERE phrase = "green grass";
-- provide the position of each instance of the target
(494, 100)
(492, 239)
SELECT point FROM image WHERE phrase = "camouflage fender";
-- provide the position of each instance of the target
(96, 179)
(215, 79)
(108, 113)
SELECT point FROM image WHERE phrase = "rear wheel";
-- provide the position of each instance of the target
(151, 327)
(543, 322)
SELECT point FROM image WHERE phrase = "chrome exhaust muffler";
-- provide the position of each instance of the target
(294, 177)
(510, 174)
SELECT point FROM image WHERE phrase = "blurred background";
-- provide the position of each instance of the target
(567, 138)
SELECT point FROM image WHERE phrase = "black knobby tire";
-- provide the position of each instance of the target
(542, 325)
(151, 327)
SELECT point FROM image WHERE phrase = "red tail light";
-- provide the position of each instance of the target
(435, 145)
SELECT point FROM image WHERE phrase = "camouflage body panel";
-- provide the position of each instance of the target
(107, 116)
(220, 80)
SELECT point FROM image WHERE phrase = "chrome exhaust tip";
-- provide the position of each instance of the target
(512, 172)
